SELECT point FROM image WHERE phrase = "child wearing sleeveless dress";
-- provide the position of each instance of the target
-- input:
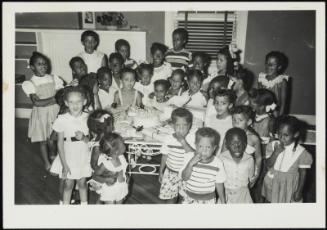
(127, 96)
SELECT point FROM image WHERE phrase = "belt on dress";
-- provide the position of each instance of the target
(72, 139)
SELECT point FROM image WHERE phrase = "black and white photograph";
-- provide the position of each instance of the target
(164, 114)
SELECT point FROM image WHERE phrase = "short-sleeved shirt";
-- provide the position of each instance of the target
(175, 152)
(106, 99)
(93, 61)
(197, 100)
(210, 110)
(238, 174)
(69, 124)
(162, 72)
(220, 125)
(178, 59)
(204, 176)
(29, 86)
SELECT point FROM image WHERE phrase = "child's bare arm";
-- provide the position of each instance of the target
(94, 157)
(139, 99)
(278, 148)
(121, 177)
(102, 175)
(257, 156)
(283, 97)
(297, 196)
(104, 62)
(116, 99)
(221, 192)
(42, 102)
(186, 174)
(162, 166)
(184, 143)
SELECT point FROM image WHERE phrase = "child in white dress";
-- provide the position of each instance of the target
(73, 163)
(99, 123)
(93, 59)
(112, 158)
(106, 92)
(41, 89)
(239, 167)
(145, 85)
(196, 98)
(161, 69)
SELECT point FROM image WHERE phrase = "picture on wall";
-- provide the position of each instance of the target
(87, 20)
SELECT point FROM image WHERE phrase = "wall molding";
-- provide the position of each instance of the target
(23, 113)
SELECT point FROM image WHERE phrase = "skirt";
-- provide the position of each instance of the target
(78, 157)
(115, 192)
(40, 123)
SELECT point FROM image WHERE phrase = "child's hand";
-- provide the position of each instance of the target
(74, 82)
(179, 137)
(278, 147)
(196, 158)
(79, 135)
(297, 196)
(114, 105)
(151, 95)
(65, 171)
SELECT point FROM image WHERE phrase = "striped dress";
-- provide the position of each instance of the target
(178, 59)
(202, 183)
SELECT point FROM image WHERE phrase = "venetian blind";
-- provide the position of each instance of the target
(208, 30)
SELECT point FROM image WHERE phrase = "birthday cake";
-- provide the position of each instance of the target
(147, 117)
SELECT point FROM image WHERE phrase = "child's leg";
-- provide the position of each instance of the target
(68, 188)
(61, 189)
(108, 202)
(52, 146)
(172, 201)
(44, 154)
(82, 186)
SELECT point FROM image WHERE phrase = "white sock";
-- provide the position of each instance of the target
(60, 202)
(84, 203)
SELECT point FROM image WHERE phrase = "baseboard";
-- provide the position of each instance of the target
(23, 113)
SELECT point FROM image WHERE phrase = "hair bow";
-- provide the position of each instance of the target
(271, 107)
(103, 117)
(233, 50)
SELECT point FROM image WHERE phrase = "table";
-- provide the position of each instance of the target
(142, 147)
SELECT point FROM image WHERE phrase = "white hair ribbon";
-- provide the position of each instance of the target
(103, 117)
(271, 107)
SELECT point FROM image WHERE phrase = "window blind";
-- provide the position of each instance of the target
(208, 30)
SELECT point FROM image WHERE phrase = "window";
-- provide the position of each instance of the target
(208, 30)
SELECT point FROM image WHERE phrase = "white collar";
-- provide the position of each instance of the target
(271, 83)
(261, 117)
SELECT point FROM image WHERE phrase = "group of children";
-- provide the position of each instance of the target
(248, 150)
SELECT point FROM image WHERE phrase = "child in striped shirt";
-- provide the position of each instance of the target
(178, 56)
(175, 148)
(204, 173)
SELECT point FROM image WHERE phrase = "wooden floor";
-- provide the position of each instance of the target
(33, 185)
